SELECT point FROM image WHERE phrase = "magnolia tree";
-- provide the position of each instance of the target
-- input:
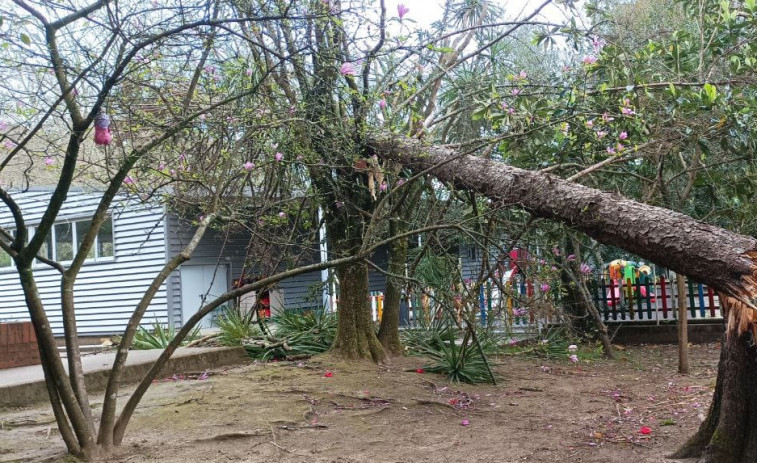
(181, 130)
(243, 115)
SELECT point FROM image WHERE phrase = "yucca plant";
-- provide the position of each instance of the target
(306, 333)
(460, 363)
(159, 337)
(236, 326)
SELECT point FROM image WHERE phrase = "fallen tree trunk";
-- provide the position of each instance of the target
(719, 258)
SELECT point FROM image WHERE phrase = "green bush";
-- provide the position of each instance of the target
(159, 337)
(441, 342)
(308, 333)
(459, 363)
(236, 326)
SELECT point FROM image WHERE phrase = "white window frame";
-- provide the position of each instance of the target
(74, 236)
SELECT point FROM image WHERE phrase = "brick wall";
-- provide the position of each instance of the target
(18, 345)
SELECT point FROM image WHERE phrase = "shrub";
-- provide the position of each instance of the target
(296, 334)
(236, 326)
(159, 337)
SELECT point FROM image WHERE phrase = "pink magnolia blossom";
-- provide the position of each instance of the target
(129, 180)
(556, 251)
(601, 134)
(402, 10)
(611, 150)
(248, 72)
(606, 118)
(597, 44)
(282, 214)
(584, 268)
(382, 103)
(49, 161)
(544, 287)
(589, 60)
(347, 69)
(400, 182)
(383, 187)
(590, 123)
(623, 135)
(627, 111)
(572, 257)
(248, 166)
(278, 157)
(522, 75)
(515, 91)
(574, 358)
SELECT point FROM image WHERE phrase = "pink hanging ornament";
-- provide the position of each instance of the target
(102, 129)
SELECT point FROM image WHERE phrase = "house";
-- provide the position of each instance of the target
(131, 248)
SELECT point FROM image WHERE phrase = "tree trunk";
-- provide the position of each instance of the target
(729, 434)
(719, 258)
(355, 336)
(389, 331)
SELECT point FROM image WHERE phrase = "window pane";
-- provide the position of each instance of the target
(64, 242)
(5, 258)
(47, 246)
(81, 229)
(105, 239)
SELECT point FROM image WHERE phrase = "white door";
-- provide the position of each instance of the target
(201, 284)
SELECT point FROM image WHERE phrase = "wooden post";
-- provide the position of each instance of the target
(683, 334)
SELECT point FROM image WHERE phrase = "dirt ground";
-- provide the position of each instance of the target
(541, 411)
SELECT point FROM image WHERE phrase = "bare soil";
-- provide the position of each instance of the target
(541, 411)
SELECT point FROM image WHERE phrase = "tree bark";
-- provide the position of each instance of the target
(729, 434)
(355, 336)
(389, 330)
(719, 258)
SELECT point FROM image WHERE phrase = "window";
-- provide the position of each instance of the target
(64, 242)
(69, 236)
(5, 258)
(82, 228)
(66, 238)
(105, 239)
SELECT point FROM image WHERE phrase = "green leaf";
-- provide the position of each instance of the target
(440, 49)
(26, 39)
(710, 92)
